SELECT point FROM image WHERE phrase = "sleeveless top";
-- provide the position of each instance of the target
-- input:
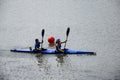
(37, 45)
(58, 47)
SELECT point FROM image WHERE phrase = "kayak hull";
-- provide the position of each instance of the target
(53, 51)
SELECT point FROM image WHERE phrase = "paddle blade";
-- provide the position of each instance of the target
(67, 33)
(43, 31)
(68, 30)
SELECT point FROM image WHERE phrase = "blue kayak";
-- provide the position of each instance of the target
(53, 51)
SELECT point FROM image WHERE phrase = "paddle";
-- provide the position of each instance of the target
(67, 33)
(43, 31)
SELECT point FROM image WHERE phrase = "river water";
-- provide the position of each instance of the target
(94, 26)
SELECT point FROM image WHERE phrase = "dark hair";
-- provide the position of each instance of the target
(36, 40)
(58, 40)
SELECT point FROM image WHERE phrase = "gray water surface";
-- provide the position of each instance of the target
(94, 26)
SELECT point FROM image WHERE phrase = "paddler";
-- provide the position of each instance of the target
(37, 44)
(58, 45)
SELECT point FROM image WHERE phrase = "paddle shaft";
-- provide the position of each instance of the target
(65, 42)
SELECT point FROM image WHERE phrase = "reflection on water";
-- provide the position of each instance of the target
(55, 67)
(39, 58)
(60, 59)
(43, 65)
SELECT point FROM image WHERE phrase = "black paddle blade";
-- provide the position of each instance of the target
(68, 30)
(43, 31)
